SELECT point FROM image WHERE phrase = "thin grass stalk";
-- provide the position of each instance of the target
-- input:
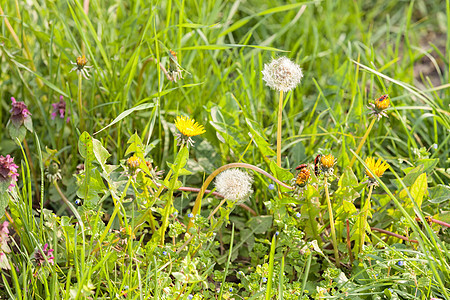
(305, 275)
(228, 262)
(363, 221)
(362, 142)
(281, 280)
(271, 263)
(280, 118)
(330, 214)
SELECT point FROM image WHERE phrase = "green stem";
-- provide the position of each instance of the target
(280, 117)
(330, 213)
(80, 102)
(363, 224)
(169, 204)
(116, 210)
(362, 142)
(198, 200)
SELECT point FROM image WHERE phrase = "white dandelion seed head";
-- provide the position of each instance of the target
(234, 185)
(282, 74)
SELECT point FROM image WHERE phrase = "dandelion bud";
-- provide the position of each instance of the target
(234, 185)
(282, 74)
(133, 163)
(379, 106)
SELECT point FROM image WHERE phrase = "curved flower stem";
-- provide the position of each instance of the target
(80, 101)
(333, 230)
(198, 200)
(394, 235)
(196, 190)
(280, 117)
(362, 142)
(363, 221)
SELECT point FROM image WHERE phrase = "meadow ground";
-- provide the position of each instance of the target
(209, 149)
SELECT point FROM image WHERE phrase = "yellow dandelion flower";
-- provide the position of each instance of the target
(188, 128)
(327, 161)
(133, 162)
(379, 106)
(378, 168)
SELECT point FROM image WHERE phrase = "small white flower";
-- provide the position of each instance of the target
(234, 185)
(282, 74)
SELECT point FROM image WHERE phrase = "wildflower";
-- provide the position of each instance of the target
(78, 202)
(277, 233)
(379, 106)
(190, 297)
(188, 128)
(4, 238)
(401, 263)
(234, 184)
(59, 109)
(378, 168)
(230, 289)
(264, 279)
(164, 253)
(327, 162)
(190, 215)
(80, 66)
(19, 112)
(271, 186)
(8, 171)
(133, 163)
(53, 172)
(41, 256)
(282, 74)
(298, 215)
(175, 71)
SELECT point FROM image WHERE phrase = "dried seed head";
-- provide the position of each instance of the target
(234, 184)
(282, 74)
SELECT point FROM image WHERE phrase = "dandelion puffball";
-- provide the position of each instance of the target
(282, 74)
(234, 185)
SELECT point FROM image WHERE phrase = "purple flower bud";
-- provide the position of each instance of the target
(271, 186)
(19, 112)
(8, 170)
(59, 109)
(46, 253)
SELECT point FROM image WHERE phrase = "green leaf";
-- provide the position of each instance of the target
(281, 174)
(86, 147)
(257, 225)
(28, 123)
(419, 189)
(101, 155)
(260, 141)
(348, 178)
(4, 196)
(439, 193)
(17, 132)
(126, 114)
